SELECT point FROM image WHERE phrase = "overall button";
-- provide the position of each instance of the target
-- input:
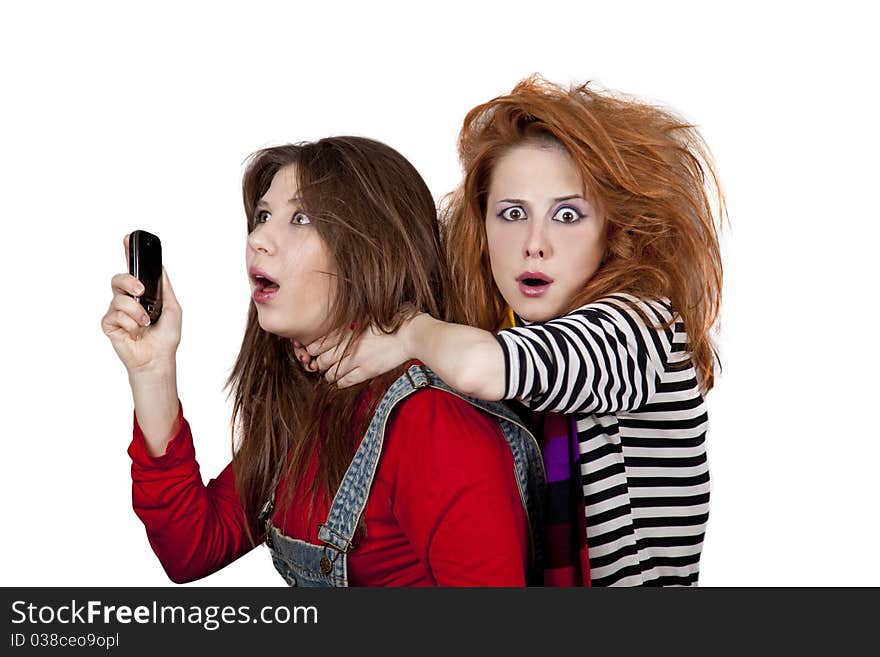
(326, 565)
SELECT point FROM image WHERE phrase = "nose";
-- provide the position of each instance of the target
(261, 240)
(537, 243)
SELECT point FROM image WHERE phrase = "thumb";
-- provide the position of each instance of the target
(125, 241)
(168, 296)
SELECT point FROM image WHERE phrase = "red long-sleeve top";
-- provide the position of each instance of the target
(443, 510)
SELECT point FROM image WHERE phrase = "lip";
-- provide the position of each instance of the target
(258, 294)
(253, 272)
(534, 290)
(261, 296)
(533, 274)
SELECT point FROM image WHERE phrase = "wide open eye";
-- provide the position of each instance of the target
(567, 215)
(262, 216)
(513, 213)
(300, 219)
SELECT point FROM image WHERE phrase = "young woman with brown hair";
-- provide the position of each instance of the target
(395, 481)
(585, 229)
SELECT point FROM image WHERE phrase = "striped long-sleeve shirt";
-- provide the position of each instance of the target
(621, 366)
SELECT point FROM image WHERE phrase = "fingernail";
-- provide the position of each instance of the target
(145, 321)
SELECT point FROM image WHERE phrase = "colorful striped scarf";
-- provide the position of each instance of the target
(567, 562)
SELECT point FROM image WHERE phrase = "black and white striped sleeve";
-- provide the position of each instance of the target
(601, 358)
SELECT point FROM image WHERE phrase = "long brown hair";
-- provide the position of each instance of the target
(647, 170)
(377, 219)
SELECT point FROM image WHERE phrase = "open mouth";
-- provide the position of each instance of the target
(533, 283)
(261, 280)
(264, 283)
(533, 279)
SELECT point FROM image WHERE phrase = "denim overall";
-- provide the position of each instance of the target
(304, 564)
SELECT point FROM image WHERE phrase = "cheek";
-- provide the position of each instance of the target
(323, 277)
(315, 262)
(503, 244)
(330, 292)
(582, 256)
(502, 265)
(591, 250)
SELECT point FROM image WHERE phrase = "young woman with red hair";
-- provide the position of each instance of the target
(585, 230)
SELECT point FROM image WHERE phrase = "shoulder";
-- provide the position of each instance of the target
(622, 307)
(623, 317)
(438, 409)
(434, 425)
(647, 326)
(438, 445)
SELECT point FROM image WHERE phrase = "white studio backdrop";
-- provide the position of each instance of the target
(119, 116)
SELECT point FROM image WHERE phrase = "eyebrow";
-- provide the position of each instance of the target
(558, 199)
(296, 200)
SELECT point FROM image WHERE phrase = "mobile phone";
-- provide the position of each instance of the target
(145, 264)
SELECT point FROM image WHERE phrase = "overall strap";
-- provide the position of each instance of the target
(351, 498)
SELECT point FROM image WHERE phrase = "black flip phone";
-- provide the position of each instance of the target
(145, 263)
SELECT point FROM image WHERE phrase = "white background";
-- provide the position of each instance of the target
(118, 116)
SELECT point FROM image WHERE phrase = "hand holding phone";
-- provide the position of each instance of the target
(145, 264)
(142, 343)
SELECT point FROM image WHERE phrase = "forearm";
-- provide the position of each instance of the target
(194, 529)
(156, 405)
(469, 359)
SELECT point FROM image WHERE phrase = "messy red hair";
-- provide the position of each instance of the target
(648, 171)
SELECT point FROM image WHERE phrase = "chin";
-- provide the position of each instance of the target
(533, 313)
(269, 327)
(534, 318)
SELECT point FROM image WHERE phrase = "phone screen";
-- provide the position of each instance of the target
(145, 262)
(150, 265)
